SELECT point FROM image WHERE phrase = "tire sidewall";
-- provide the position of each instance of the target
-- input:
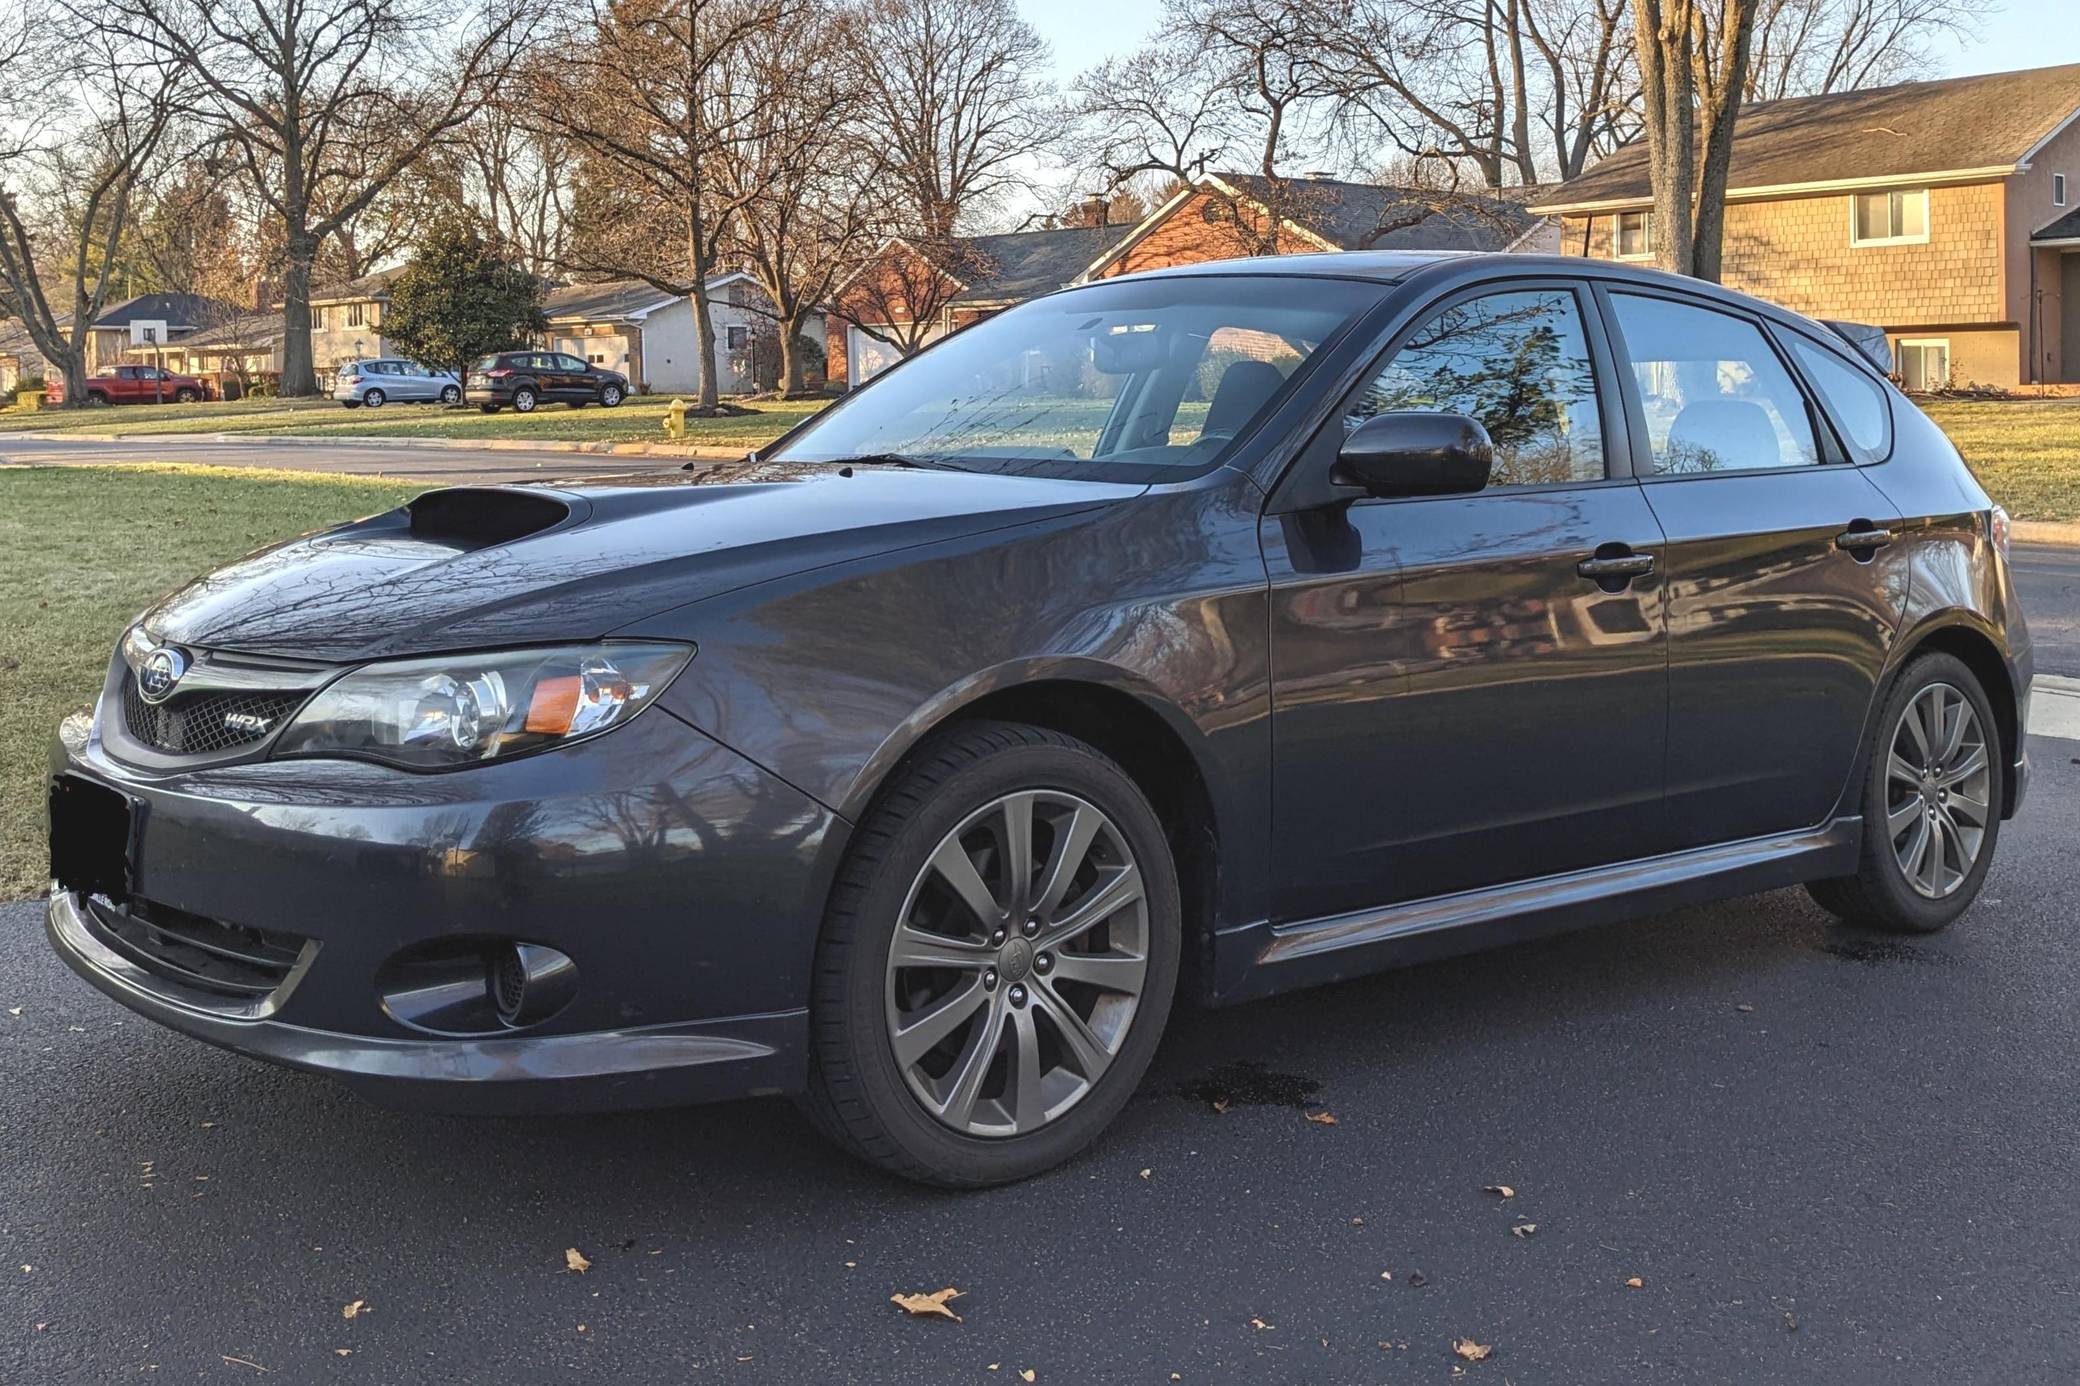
(946, 1155)
(524, 400)
(451, 395)
(1906, 906)
(373, 399)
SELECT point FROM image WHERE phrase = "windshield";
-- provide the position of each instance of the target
(1141, 380)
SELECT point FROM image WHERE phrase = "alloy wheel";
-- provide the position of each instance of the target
(1938, 788)
(1017, 964)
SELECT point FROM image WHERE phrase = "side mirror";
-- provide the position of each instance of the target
(1416, 454)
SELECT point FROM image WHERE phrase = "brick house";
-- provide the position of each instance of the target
(347, 319)
(1221, 216)
(906, 296)
(1944, 212)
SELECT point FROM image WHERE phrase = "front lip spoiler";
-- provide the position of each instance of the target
(653, 1066)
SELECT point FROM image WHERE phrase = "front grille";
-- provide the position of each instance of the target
(207, 722)
(229, 959)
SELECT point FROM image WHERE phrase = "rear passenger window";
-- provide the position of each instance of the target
(1716, 396)
(1858, 402)
(1517, 362)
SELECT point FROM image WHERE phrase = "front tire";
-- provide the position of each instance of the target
(185, 396)
(997, 962)
(609, 396)
(1932, 794)
(451, 394)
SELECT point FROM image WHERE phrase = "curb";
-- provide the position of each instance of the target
(401, 444)
(2065, 533)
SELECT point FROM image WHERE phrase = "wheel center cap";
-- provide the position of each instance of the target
(1016, 961)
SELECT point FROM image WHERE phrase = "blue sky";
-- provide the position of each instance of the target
(2023, 33)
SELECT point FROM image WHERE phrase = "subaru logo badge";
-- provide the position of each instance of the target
(160, 674)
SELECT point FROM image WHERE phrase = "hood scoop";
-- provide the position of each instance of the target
(477, 517)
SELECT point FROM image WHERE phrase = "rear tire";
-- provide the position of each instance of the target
(373, 399)
(963, 795)
(524, 400)
(1923, 857)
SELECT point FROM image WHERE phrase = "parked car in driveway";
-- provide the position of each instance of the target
(1238, 627)
(375, 383)
(132, 385)
(525, 379)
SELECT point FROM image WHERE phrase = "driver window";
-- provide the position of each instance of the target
(1519, 364)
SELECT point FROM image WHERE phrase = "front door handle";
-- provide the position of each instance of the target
(1629, 565)
(1862, 542)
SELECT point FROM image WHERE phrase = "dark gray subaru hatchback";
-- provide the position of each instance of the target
(1235, 629)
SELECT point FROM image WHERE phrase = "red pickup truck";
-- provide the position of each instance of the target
(133, 385)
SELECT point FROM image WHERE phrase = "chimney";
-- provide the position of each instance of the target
(1099, 210)
(1320, 175)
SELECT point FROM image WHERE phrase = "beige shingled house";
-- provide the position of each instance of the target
(1946, 212)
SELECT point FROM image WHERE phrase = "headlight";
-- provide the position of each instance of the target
(430, 714)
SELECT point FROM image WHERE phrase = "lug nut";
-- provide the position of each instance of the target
(1044, 964)
(1032, 927)
(989, 979)
(996, 940)
(1018, 995)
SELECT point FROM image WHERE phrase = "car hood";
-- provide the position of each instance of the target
(473, 567)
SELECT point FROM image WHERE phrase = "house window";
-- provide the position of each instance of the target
(1635, 235)
(1924, 363)
(739, 337)
(1889, 218)
(2058, 190)
(354, 315)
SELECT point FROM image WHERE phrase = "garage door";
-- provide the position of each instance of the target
(866, 357)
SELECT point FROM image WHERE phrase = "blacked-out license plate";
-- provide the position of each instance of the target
(93, 838)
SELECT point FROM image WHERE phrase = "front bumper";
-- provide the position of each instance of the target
(684, 883)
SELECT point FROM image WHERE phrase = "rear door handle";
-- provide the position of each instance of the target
(1862, 540)
(1622, 566)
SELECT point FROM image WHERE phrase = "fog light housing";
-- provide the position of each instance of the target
(475, 986)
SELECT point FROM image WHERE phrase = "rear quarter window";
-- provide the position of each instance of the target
(1858, 403)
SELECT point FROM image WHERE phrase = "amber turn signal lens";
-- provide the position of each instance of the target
(554, 705)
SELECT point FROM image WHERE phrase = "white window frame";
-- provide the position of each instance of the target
(1900, 365)
(1618, 234)
(1927, 218)
(2058, 190)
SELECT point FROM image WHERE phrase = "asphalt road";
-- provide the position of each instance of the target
(451, 466)
(1823, 1156)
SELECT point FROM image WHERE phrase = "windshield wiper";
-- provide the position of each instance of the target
(895, 459)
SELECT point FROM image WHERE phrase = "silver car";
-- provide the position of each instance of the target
(379, 381)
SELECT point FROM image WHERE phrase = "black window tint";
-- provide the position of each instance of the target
(571, 363)
(1519, 363)
(1857, 401)
(1716, 397)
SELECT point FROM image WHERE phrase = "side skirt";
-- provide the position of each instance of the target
(1262, 959)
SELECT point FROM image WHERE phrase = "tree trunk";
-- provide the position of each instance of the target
(73, 367)
(1721, 109)
(1667, 88)
(704, 333)
(299, 374)
(790, 357)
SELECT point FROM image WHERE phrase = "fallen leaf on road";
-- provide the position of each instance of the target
(1524, 1229)
(1260, 1325)
(14, 1010)
(924, 1306)
(1501, 1190)
(1472, 1351)
(351, 1311)
(1635, 1283)
(1386, 1275)
(1322, 1118)
(994, 1365)
(242, 1362)
(1220, 1106)
(343, 1352)
(1145, 1173)
(1744, 1006)
(1028, 1374)
(574, 1259)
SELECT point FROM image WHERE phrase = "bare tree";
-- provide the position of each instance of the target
(1693, 57)
(1225, 85)
(639, 87)
(1808, 47)
(900, 293)
(799, 167)
(322, 104)
(68, 199)
(963, 119)
(518, 181)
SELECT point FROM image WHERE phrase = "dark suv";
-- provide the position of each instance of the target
(525, 379)
(1238, 628)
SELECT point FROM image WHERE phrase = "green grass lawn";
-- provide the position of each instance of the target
(2026, 453)
(82, 551)
(640, 420)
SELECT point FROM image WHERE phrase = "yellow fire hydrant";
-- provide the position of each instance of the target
(675, 419)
